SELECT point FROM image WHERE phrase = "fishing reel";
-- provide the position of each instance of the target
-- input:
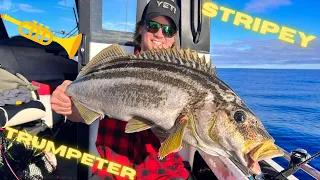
(298, 157)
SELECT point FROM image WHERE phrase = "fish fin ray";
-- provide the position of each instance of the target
(174, 141)
(88, 115)
(137, 124)
(107, 54)
(184, 57)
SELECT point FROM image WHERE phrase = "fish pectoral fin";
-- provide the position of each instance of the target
(174, 141)
(88, 115)
(137, 124)
(183, 145)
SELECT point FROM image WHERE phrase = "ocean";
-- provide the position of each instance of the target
(288, 104)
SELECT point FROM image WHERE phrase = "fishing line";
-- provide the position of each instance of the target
(70, 32)
(295, 167)
(310, 159)
(4, 153)
(4, 156)
(75, 16)
(50, 161)
(73, 33)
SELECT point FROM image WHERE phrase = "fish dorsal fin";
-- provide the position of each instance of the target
(107, 54)
(178, 56)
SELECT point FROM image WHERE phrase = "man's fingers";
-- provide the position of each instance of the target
(58, 97)
(61, 110)
(64, 85)
(64, 98)
(60, 103)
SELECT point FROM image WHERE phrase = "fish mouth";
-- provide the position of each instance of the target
(258, 151)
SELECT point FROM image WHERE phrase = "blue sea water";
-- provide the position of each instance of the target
(286, 101)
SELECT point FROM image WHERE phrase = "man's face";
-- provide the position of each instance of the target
(157, 40)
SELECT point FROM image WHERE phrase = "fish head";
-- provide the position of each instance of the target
(239, 132)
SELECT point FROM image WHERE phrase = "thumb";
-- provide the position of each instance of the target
(65, 84)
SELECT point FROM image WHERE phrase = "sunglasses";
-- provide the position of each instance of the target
(153, 27)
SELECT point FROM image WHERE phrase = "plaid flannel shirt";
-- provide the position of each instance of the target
(136, 150)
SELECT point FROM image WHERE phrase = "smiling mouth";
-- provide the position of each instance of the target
(157, 43)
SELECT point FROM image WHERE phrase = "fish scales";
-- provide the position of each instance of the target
(208, 83)
(184, 89)
(199, 76)
(178, 96)
(184, 77)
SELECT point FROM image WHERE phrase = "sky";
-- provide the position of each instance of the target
(231, 46)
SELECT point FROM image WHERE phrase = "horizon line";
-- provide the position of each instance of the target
(231, 67)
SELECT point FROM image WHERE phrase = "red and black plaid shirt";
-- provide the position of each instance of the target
(136, 150)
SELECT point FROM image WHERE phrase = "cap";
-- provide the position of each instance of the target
(157, 8)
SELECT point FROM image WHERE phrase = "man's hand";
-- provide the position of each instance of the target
(60, 102)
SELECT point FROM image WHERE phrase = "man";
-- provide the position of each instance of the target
(157, 29)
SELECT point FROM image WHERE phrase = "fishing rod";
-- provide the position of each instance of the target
(294, 165)
(297, 159)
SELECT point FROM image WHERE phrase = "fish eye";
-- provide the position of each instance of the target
(240, 116)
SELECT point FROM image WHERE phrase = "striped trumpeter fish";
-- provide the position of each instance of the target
(177, 95)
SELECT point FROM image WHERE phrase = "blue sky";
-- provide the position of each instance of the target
(231, 46)
(56, 14)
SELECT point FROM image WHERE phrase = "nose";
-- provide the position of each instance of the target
(159, 33)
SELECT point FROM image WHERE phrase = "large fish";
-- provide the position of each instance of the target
(178, 96)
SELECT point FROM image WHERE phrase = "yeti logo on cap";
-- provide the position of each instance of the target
(167, 6)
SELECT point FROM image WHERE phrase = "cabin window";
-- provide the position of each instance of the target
(119, 15)
(115, 23)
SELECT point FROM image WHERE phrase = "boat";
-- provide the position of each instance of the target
(195, 30)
